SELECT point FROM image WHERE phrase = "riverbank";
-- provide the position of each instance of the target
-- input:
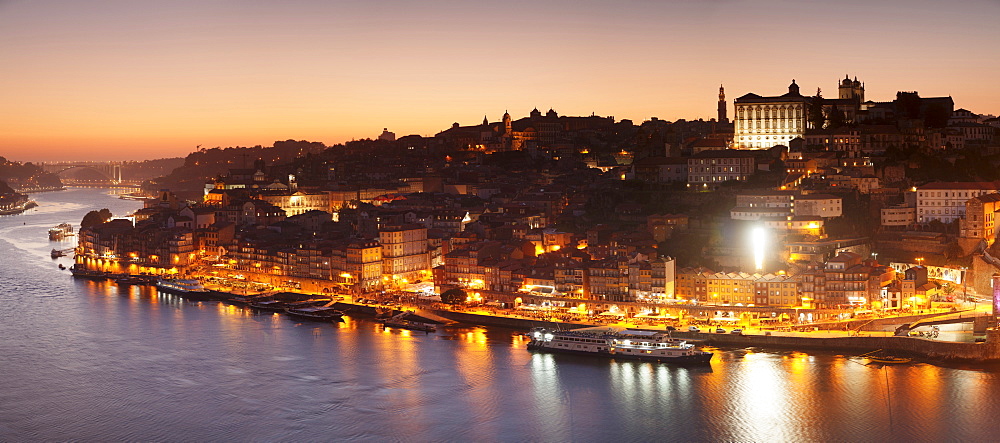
(40, 189)
(17, 209)
(851, 338)
(937, 350)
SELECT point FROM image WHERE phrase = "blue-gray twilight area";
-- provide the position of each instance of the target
(87, 361)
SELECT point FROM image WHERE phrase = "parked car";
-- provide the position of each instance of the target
(671, 328)
(736, 331)
(720, 331)
(693, 329)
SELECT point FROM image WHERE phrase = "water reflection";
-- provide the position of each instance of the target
(551, 401)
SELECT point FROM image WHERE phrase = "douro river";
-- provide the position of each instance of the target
(87, 361)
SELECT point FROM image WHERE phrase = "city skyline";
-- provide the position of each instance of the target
(141, 80)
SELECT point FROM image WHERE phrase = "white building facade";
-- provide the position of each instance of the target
(765, 122)
(945, 201)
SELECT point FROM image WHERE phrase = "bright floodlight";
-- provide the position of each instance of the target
(759, 240)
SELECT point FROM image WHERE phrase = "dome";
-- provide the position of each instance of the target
(793, 88)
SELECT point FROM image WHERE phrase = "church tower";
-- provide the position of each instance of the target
(723, 118)
(852, 89)
(507, 136)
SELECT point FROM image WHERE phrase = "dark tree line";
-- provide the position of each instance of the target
(94, 218)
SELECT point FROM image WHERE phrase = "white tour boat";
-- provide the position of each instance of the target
(192, 289)
(613, 343)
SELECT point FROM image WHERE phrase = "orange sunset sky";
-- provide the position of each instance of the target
(127, 80)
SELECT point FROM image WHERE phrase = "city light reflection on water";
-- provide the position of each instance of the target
(551, 400)
(92, 361)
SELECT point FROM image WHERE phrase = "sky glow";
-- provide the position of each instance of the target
(107, 80)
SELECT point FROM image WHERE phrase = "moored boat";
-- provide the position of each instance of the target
(269, 305)
(889, 360)
(272, 305)
(127, 280)
(400, 321)
(624, 344)
(87, 273)
(185, 288)
(238, 299)
(879, 356)
(316, 313)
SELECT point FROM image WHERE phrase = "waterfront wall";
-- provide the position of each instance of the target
(988, 351)
(882, 324)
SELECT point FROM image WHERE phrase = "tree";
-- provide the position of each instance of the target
(953, 250)
(94, 218)
(837, 117)
(816, 117)
(453, 296)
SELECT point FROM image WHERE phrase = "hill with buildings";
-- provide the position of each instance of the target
(27, 176)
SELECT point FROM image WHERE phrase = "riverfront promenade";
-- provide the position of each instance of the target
(861, 334)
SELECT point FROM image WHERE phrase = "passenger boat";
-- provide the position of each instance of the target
(400, 321)
(57, 253)
(185, 288)
(624, 344)
(134, 196)
(316, 313)
(60, 231)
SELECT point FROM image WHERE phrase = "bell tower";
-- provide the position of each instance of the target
(723, 118)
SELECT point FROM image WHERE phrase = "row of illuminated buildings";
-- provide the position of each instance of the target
(844, 280)
(258, 241)
(257, 238)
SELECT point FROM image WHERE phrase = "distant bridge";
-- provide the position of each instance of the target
(90, 172)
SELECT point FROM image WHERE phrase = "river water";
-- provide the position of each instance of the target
(86, 361)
